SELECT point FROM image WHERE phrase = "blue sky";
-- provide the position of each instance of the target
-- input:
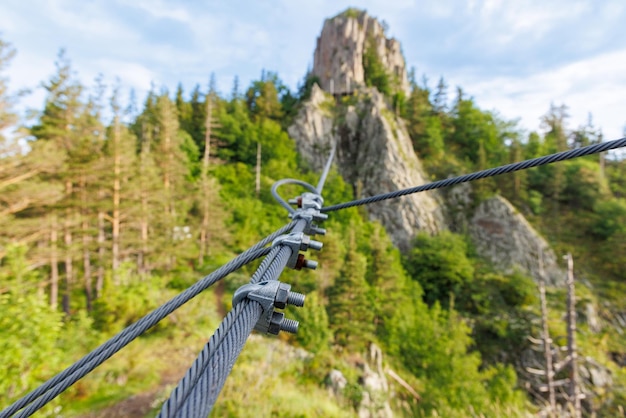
(515, 57)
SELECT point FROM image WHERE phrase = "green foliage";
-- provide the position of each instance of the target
(119, 306)
(441, 266)
(501, 309)
(29, 330)
(349, 312)
(265, 382)
(433, 344)
(352, 12)
(263, 101)
(374, 71)
(304, 91)
(610, 218)
(316, 336)
(584, 184)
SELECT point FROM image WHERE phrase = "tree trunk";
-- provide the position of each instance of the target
(547, 341)
(69, 270)
(258, 169)
(115, 248)
(574, 389)
(142, 259)
(204, 229)
(101, 239)
(86, 241)
(54, 264)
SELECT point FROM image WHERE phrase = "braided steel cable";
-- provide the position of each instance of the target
(36, 399)
(282, 201)
(509, 168)
(216, 359)
(329, 162)
(197, 391)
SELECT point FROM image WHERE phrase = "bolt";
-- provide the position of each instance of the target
(275, 323)
(289, 325)
(317, 231)
(282, 295)
(307, 243)
(300, 262)
(303, 262)
(306, 240)
(310, 264)
(296, 201)
(279, 323)
(315, 245)
(320, 217)
(295, 299)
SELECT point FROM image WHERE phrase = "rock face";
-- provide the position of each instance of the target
(504, 237)
(374, 154)
(338, 59)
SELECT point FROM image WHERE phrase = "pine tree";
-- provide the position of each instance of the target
(385, 277)
(60, 125)
(350, 313)
(206, 182)
(168, 152)
(555, 140)
(121, 156)
(440, 98)
(520, 178)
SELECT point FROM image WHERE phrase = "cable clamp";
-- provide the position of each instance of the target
(309, 207)
(308, 200)
(271, 294)
(298, 241)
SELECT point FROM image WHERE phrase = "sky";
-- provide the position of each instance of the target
(513, 57)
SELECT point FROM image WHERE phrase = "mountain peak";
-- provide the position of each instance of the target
(350, 44)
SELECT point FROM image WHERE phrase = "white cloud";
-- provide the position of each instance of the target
(594, 85)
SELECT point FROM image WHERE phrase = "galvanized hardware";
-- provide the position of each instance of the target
(298, 241)
(271, 294)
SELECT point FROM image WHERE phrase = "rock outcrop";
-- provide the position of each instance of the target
(374, 154)
(503, 236)
(338, 60)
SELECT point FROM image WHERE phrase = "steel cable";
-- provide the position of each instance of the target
(197, 391)
(522, 165)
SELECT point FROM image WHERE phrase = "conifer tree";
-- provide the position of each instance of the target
(60, 125)
(350, 313)
(440, 98)
(121, 156)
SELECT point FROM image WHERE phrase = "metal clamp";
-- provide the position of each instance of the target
(298, 241)
(269, 295)
(308, 200)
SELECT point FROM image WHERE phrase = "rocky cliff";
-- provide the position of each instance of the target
(375, 154)
(338, 59)
(502, 235)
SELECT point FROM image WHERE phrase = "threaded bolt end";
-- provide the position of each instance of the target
(310, 264)
(295, 299)
(289, 325)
